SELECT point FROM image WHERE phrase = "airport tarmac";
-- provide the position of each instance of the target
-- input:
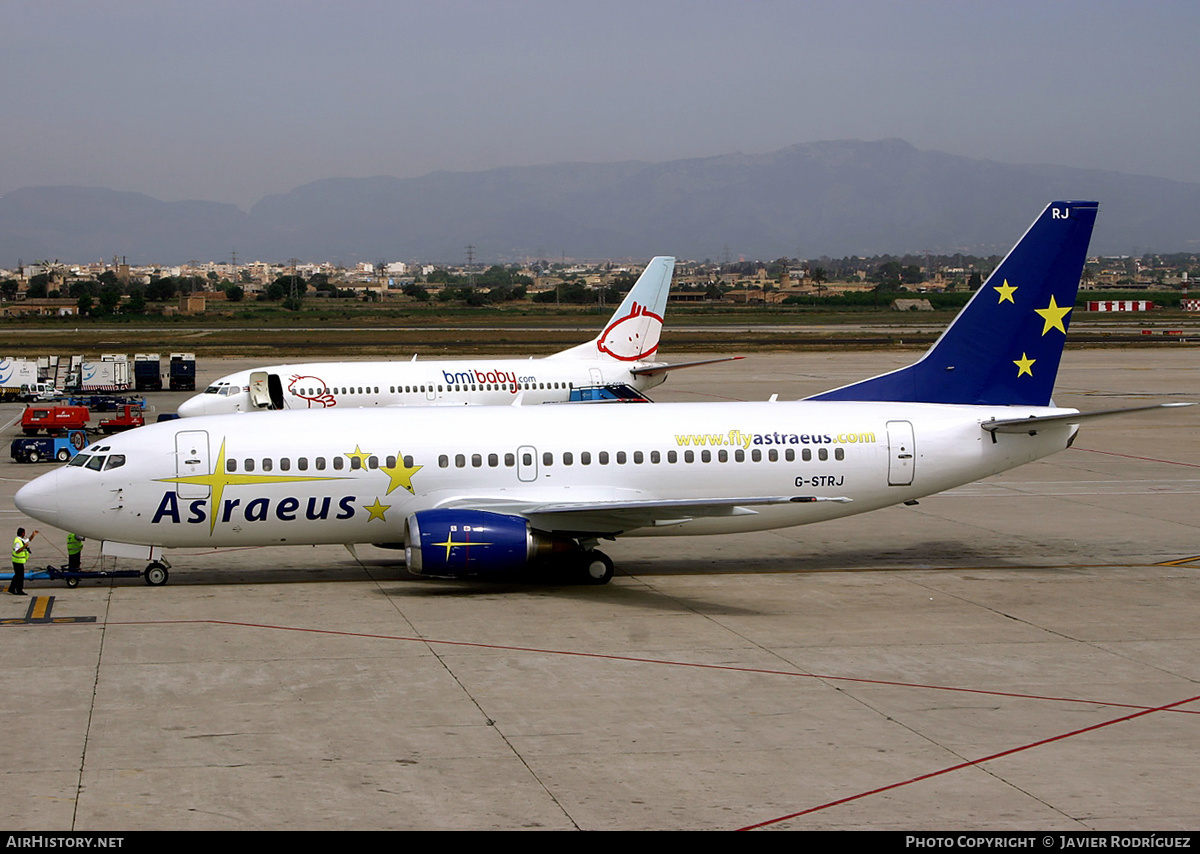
(1018, 654)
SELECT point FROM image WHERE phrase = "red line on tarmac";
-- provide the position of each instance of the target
(640, 660)
(1132, 457)
(971, 763)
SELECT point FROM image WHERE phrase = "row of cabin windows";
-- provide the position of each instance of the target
(639, 457)
(422, 389)
(567, 458)
(318, 463)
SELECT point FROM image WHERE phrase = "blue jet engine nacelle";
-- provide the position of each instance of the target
(468, 542)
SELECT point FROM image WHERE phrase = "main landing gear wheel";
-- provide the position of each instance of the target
(156, 574)
(597, 567)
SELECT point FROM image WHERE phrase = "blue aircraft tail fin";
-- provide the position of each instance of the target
(1004, 347)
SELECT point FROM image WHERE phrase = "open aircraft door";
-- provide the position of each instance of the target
(191, 460)
(260, 397)
(902, 455)
(266, 390)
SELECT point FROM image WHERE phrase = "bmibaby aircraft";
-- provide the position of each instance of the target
(477, 490)
(621, 353)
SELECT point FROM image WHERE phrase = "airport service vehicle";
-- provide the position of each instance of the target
(484, 490)
(16, 376)
(128, 417)
(110, 373)
(147, 373)
(33, 449)
(182, 372)
(621, 353)
(39, 391)
(54, 419)
(105, 402)
(155, 575)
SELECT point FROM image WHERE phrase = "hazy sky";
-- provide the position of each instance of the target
(231, 101)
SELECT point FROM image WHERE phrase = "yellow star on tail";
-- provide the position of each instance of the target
(1006, 292)
(1053, 314)
(1024, 365)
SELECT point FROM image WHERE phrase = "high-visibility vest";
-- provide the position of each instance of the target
(20, 550)
(74, 544)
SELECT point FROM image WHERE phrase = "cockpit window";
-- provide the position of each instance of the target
(213, 389)
(96, 463)
(115, 462)
(228, 390)
(79, 460)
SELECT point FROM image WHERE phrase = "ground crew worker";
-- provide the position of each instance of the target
(20, 554)
(74, 550)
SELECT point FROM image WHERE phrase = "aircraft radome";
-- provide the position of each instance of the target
(479, 490)
(621, 354)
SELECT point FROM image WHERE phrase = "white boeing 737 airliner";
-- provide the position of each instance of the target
(478, 490)
(622, 353)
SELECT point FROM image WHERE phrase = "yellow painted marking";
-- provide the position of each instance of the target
(38, 614)
(400, 475)
(1053, 315)
(1180, 562)
(219, 479)
(360, 455)
(377, 510)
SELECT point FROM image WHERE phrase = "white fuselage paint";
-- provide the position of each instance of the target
(491, 382)
(218, 505)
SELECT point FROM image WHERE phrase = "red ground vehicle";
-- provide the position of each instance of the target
(128, 417)
(54, 419)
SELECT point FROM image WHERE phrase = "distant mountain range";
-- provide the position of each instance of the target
(824, 198)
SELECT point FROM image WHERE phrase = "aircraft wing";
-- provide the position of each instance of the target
(616, 515)
(662, 368)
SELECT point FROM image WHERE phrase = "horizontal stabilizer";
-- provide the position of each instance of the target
(1030, 424)
(651, 370)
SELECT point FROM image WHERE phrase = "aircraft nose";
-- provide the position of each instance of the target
(192, 406)
(39, 498)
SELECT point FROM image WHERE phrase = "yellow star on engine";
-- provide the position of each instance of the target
(360, 455)
(1024, 365)
(400, 474)
(1006, 292)
(1053, 314)
(377, 510)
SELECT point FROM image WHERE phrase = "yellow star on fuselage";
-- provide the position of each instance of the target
(377, 510)
(400, 474)
(1006, 292)
(1024, 365)
(1053, 315)
(360, 455)
(219, 479)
